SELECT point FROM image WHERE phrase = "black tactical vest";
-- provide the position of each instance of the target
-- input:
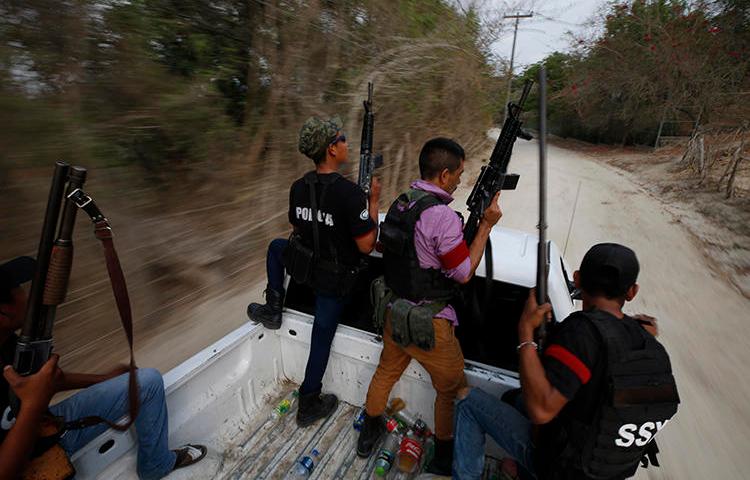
(316, 267)
(639, 396)
(403, 274)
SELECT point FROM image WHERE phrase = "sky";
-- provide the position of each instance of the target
(546, 31)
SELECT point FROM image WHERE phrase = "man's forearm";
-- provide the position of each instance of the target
(534, 384)
(531, 371)
(476, 250)
(74, 381)
(17, 446)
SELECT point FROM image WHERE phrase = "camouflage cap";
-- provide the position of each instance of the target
(316, 134)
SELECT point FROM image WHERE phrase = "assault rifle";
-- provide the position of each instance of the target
(368, 161)
(50, 283)
(493, 176)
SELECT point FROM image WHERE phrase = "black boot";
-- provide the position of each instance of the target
(314, 406)
(442, 461)
(269, 314)
(372, 430)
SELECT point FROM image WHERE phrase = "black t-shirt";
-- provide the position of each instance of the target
(575, 364)
(342, 216)
(7, 352)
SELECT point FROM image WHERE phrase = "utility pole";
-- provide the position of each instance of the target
(517, 17)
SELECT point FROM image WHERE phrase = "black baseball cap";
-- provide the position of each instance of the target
(608, 269)
(14, 273)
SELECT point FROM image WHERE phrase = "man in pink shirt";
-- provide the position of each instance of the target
(425, 258)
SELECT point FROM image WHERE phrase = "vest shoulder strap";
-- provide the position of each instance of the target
(421, 201)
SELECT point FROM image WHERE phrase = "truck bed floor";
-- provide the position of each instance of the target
(269, 449)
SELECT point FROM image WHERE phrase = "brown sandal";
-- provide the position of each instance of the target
(188, 455)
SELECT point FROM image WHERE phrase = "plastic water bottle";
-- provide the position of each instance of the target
(410, 452)
(429, 451)
(307, 463)
(285, 406)
(359, 419)
(387, 454)
(407, 421)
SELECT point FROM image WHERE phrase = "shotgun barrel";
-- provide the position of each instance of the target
(542, 266)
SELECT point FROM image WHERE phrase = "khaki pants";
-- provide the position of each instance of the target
(444, 363)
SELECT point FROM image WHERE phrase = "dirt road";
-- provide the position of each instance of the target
(701, 316)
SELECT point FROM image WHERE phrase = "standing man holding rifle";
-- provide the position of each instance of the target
(600, 390)
(269, 313)
(334, 225)
(427, 256)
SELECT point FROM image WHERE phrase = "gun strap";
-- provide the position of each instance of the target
(103, 232)
(312, 178)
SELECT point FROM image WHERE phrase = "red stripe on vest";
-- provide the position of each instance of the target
(454, 258)
(569, 360)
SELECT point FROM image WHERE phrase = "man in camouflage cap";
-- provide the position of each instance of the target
(335, 225)
(316, 135)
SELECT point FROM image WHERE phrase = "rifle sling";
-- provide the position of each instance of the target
(103, 232)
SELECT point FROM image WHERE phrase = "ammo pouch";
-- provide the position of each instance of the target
(410, 323)
(323, 276)
(49, 460)
(298, 260)
(335, 279)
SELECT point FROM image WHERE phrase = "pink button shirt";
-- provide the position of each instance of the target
(439, 241)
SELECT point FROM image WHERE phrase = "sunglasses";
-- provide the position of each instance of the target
(339, 138)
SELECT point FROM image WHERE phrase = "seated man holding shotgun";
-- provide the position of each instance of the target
(104, 395)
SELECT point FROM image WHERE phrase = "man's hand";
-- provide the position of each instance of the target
(533, 315)
(35, 391)
(648, 323)
(492, 213)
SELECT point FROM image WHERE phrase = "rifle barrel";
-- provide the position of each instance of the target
(542, 268)
(34, 308)
(61, 258)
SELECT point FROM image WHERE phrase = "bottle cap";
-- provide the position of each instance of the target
(420, 428)
(391, 425)
(380, 471)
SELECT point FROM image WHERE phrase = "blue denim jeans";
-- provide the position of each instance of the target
(110, 400)
(274, 265)
(327, 314)
(478, 414)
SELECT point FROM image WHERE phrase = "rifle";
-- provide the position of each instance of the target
(368, 161)
(493, 176)
(50, 284)
(542, 258)
(34, 347)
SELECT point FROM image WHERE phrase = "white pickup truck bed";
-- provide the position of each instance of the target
(232, 389)
(223, 396)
